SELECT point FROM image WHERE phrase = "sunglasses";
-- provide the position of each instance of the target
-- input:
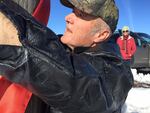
(125, 31)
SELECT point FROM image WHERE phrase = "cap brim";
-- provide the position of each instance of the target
(66, 3)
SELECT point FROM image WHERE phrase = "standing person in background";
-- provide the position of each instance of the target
(127, 45)
(13, 97)
(77, 73)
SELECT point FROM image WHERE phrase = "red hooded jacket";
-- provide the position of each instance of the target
(127, 47)
(14, 98)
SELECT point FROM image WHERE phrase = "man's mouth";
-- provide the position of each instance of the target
(68, 30)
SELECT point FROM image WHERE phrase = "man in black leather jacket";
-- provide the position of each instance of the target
(78, 73)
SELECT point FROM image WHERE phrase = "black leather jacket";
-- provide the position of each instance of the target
(87, 80)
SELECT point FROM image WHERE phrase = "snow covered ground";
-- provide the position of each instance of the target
(138, 100)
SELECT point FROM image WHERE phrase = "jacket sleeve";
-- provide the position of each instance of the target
(133, 47)
(41, 64)
(118, 42)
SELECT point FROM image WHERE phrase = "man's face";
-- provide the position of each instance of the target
(125, 32)
(79, 29)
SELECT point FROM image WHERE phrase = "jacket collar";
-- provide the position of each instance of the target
(105, 48)
(129, 37)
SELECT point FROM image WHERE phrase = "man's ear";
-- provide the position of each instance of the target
(102, 36)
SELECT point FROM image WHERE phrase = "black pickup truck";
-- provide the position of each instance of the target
(141, 58)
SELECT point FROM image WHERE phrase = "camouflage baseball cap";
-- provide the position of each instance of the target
(105, 9)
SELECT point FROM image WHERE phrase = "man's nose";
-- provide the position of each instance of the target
(70, 18)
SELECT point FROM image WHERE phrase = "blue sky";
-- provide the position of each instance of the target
(133, 13)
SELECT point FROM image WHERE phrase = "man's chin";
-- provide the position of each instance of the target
(66, 37)
(66, 41)
(63, 39)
